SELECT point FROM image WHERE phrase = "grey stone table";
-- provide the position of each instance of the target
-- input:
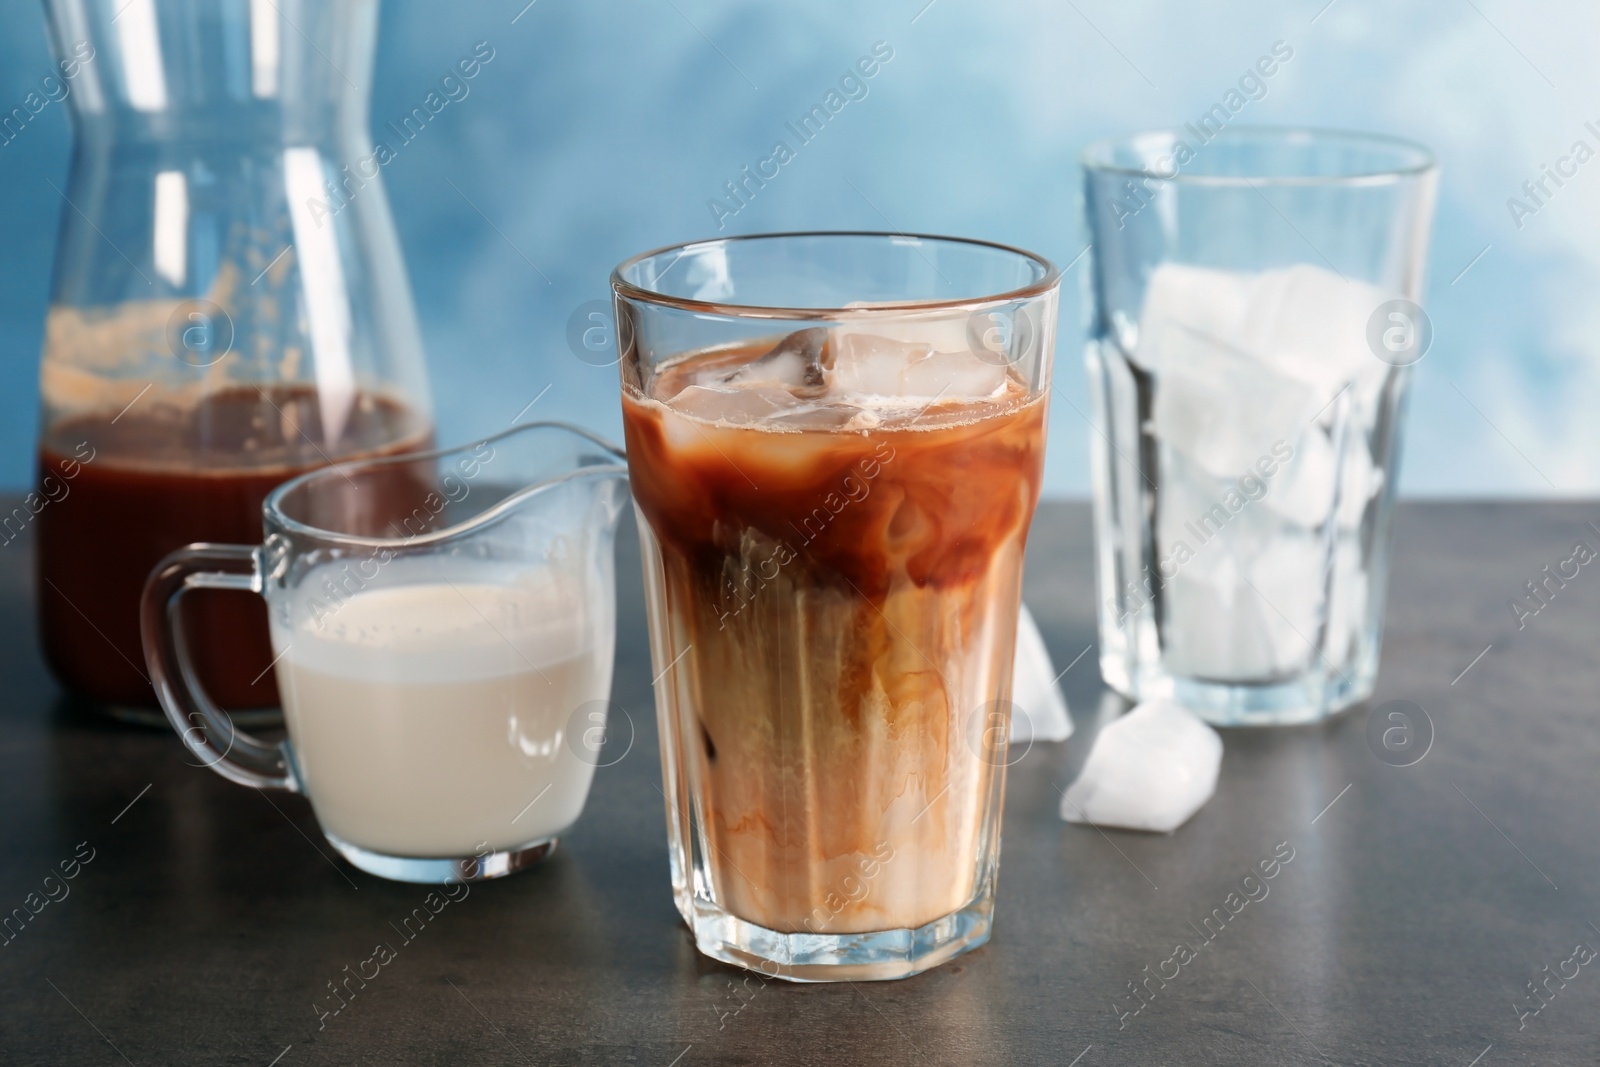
(205, 920)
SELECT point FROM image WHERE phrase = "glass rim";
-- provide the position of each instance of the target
(1413, 159)
(1049, 276)
(272, 506)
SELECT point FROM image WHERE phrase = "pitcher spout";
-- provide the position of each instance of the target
(425, 498)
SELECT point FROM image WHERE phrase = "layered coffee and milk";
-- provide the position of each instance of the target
(431, 708)
(834, 558)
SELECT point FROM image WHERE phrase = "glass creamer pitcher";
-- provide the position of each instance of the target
(442, 627)
(229, 309)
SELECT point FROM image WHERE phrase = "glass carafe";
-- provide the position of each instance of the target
(229, 309)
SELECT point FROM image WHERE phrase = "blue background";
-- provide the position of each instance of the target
(604, 127)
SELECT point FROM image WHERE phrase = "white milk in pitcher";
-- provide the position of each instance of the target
(430, 708)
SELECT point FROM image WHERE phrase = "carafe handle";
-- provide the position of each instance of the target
(206, 729)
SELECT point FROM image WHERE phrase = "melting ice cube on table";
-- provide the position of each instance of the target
(1039, 710)
(1149, 770)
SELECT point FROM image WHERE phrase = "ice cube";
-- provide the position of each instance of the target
(1249, 605)
(1149, 770)
(1347, 603)
(1312, 324)
(1039, 710)
(1360, 481)
(1208, 302)
(1289, 575)
(941, 331)
(1305, 321)
(1187, 502)
(799, 363)
(1241, 363)
(1302, 488)
(871, 366)
(1263, 354)
(1213, 626)
(743, 404)
(1221, 406)
(868, 365)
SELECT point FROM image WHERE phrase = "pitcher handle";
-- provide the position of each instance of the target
(206, 729)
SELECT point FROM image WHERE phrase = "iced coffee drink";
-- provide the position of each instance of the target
(834, 521)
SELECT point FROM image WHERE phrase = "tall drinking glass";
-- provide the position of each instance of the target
(1254, 320)
(835, 442)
